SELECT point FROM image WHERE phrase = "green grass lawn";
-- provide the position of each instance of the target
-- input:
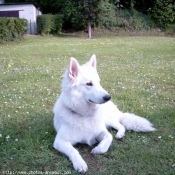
(138, 72)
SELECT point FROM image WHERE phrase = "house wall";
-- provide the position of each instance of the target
(27, 11)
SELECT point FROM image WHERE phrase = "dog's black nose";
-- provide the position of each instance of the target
(106, 98)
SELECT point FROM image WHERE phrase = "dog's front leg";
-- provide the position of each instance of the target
(105, 139)
(66, 147)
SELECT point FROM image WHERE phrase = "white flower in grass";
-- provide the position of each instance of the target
(0, 135)
(159, 137)
(170, 136)
(7, 138)
(16, 140)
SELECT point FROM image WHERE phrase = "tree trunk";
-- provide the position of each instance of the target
(89, 29)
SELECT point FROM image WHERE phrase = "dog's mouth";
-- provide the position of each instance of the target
(101, 101)
(91, 101)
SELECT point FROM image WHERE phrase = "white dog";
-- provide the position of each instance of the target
(83, 113)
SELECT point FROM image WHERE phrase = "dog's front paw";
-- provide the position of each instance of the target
(98, 150)
(120, 135)
(80, 166)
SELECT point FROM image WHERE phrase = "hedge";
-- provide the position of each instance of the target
(12, 28)
(48, 23)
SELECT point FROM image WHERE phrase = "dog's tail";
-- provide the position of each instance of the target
(136, 123)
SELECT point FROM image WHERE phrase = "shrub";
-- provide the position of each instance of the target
(136, 20)
(58, 23)
(45, 24)
(163, 12)
(12, 28)
(140, 21)
(107, 16)
(48, 23)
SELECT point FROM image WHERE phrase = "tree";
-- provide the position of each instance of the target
(98, 12)
(82, 14)
(89, 12)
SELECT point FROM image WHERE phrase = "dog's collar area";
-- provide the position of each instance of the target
(80, 114)
(74, 112)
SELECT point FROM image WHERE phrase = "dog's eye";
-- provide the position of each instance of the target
(89, 84)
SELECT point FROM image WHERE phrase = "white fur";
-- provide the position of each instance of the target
(83, 113)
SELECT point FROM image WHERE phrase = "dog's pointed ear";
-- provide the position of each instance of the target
(73, 69)
(93, 61)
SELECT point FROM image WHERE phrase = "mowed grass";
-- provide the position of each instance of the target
(138, 72)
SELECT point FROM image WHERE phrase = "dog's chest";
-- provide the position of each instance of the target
(87, 124)
(86, 129)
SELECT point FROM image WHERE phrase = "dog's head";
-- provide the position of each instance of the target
(85, 82)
